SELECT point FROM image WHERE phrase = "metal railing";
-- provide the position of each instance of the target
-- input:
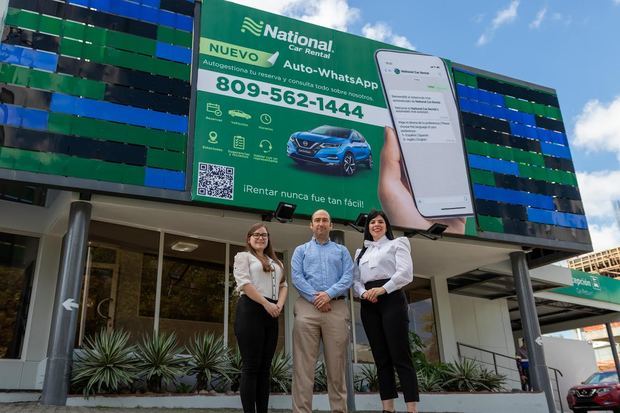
(507, 366)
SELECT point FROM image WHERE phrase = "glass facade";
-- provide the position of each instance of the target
(421, 321)
(17, 264)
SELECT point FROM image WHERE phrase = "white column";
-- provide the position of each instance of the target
(443, 319)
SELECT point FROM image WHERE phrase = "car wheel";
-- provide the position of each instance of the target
(348, 164)
(369, 162)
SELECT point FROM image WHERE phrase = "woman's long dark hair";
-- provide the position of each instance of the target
(268, 249)
(374, 213)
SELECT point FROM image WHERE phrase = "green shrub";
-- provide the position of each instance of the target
(281, 373)
(105, 364)
(208, 357)
(367, 378)
(234, 357)
(320, 377)
(159, 362)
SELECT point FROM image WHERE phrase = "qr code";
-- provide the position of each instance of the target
(216, 181)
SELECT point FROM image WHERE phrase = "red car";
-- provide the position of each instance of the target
(601, 391)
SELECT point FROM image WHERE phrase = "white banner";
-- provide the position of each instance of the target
(303, 100)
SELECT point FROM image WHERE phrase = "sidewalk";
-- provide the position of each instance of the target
(36, 408)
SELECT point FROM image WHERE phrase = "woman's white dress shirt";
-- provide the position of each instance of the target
(249, 270)
(384, 259)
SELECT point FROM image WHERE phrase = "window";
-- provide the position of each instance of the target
(17, 263)
(421, 321)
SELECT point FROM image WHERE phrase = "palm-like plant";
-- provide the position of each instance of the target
(159, 361)
(320, 377)
(367, 378)
(235, 368)
(463, 376)
(208, 358)
(105, 364)
(490, 380)
(281, 372)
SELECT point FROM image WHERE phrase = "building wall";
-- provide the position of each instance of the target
(485, 324)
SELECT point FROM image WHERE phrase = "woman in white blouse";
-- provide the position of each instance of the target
(383, 268)
(262, 288)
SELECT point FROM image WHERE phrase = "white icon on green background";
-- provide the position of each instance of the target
(265, 118)
(265, 146)
(239, 142)
(236, 113)
(214, 108)
(213, 137)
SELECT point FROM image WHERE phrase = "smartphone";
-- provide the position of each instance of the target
(423, 107)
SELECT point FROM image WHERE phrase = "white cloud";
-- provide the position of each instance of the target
(616, 1)
(598, 127)
(503, 17)
(605, 237)
(540, 16)
(335, 14)
(383, 33)
(559, 17)
(598, 189)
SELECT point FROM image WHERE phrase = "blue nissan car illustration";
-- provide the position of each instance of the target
(330, 146)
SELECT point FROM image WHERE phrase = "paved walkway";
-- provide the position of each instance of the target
(36, 408)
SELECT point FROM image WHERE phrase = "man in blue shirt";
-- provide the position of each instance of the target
(323, 274)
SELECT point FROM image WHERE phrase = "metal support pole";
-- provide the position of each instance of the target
(338, 237)
(66, 304)
(531, 328)
(614, 350)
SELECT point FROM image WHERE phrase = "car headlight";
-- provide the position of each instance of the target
(330, 145)
(603, 390)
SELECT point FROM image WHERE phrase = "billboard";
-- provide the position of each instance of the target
(290, 111)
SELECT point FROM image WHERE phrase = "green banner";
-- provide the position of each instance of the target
(294, 112)
(592, 287)
(236, 53)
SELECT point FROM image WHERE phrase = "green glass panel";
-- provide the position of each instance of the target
(126, 174)
(73, 30)
(132, 43)
(51, 25)
(165, 159)
(478, 176)
(170, 35)
(518, 104)
(7, 73)
(96, 35)
(465, 79)
(22, 18)
(504, 152)
(490, 224)
(548, 175)
(70, 47)
(100, 129)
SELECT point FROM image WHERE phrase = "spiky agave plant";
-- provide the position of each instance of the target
(159, 360)
(105, 364)
(281, 372)
(235, 366)
(208, 357)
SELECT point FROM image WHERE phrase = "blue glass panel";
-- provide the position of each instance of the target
(118, 113)
(174, 53)
(563, 219)
(495, 165)
(511, 196)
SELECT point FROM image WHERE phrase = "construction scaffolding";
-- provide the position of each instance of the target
(605, 263)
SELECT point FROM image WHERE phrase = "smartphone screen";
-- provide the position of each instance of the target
(422, 104)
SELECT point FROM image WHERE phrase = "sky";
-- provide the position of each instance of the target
(572, 46)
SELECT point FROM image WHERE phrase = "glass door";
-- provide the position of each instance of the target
(99, 291)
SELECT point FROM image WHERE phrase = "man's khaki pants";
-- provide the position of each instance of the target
(310, 327)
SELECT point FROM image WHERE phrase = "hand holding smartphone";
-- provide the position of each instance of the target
(422, 105)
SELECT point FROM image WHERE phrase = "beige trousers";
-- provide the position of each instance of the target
(310, 327)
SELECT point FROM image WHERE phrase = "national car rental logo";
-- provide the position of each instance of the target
(252, 26)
